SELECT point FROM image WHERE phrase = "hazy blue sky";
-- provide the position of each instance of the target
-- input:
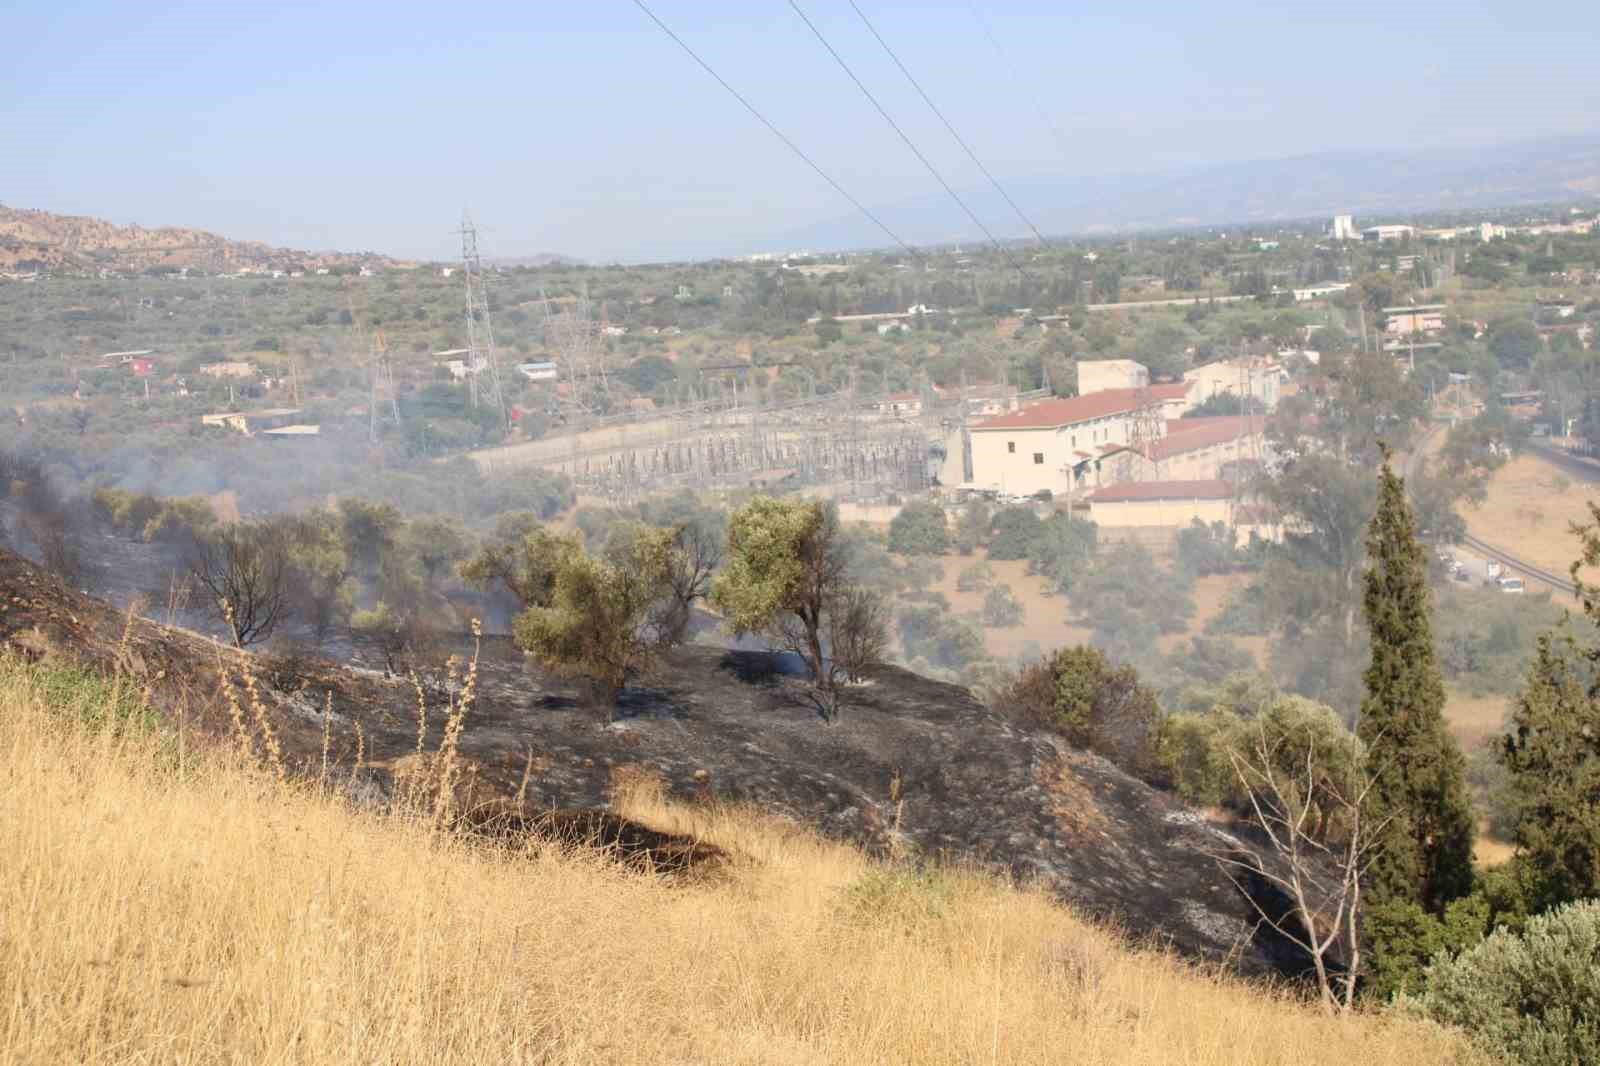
(579, 127)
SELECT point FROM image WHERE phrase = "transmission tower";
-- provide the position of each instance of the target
(583, 358)
(1145, 430)
(381, 405)
(482, 358)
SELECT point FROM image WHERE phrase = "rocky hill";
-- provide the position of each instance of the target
(915, 766)
(39, 240)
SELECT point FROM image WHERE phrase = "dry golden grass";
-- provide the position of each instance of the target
(161, 906)
(1046, 616)
(1210, 597)
(1473, 719)
(1529, 511)
(1488, 851)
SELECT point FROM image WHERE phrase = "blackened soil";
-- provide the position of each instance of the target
(973, 785)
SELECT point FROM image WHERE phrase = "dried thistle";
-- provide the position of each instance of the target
(258, 709)
(455, 723)
(327, 739)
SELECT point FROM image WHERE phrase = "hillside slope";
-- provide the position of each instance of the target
(40, 240)
(160, 904)
(915, 764)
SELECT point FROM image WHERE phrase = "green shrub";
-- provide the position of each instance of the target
(906, 896)
(1485, 639)
(96, 701)
(1406, 938)
(1012, 533)
(1001, 609)
(975, 578)
(1193, 753)
(1533, 998)
(1092, 703)
(919, 529)
(1202, 550)
(1063, 549)
(1244, 613)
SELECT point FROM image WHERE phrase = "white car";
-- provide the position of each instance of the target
(1512, 585)
(1492, 568)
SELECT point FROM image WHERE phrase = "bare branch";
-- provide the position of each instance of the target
(1322, 917)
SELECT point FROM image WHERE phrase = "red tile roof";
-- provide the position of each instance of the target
(1053, 414)
(1192, 434)
(1163, 490)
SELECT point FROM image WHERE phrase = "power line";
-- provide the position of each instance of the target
(748, 106)
(935, 109)
(909, 143)
(1033, 96)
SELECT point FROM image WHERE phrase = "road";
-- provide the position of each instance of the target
(1586, 470)
(1478, 552)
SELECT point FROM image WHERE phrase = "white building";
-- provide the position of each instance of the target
(898, 405)
(1413, 318)
(1320, 292)
(460, 368)
(1098, 375)
(1056, 444)
(1388, 233)
(229, 369)
(1344, 228)
(1257, 378)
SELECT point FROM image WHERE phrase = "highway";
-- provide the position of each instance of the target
(1581, 468)
(1559, 582)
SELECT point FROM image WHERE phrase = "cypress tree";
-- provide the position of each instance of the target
(1553, 754)
(1418, 772)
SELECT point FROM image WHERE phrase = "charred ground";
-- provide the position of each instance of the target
(915, 766)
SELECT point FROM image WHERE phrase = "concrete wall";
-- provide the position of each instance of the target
(1173, 514)
(1162, 538)
(1158, 539)
(872, 514)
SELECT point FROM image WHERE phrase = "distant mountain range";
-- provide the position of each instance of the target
(539, 259)
(1372, 185)
(1367, 184)
(40, 240)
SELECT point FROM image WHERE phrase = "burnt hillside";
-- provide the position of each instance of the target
(972, 785)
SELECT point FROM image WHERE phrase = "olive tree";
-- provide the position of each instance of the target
(786, 578)
(599, 619)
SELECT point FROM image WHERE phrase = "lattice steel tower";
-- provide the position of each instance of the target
(482, 358)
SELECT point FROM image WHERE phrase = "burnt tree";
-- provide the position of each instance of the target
(245, 569)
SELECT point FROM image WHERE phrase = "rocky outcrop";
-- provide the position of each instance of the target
(41, 240)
